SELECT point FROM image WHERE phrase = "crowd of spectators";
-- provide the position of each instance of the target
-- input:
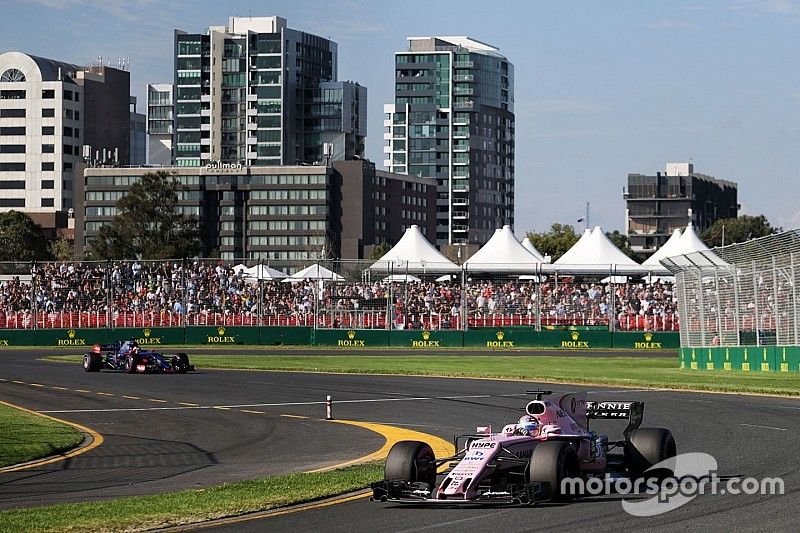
(211, 292)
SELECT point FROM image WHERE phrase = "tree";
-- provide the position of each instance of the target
(555, 242)
(737, 230)
(22, 239)
(621, 241)
(379, 251)
(63, 249)
(146, 225)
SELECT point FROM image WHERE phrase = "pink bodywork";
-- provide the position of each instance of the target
(562, 419)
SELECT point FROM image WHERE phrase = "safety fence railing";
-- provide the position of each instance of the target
(337, 294)
(740, 295)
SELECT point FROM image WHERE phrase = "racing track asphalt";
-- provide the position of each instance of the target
(150, 451)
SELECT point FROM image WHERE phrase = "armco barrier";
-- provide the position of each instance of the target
(274, 335)
(216, 335)
(426, 339)
(502, 338)
(645, 340)
(149, 337)
(575, 340)
(351, 338)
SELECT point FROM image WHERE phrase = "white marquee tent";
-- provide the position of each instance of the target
(528, 245)
(595, 253)
(668, 249)
(503, 253)
(263, 272)
(413, 254)
(315, 272)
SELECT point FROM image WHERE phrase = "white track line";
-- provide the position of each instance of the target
(763, 427)
(285, 404)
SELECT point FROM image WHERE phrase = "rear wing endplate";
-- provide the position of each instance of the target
(633, 411)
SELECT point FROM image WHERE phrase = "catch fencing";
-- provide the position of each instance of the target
(740, 295)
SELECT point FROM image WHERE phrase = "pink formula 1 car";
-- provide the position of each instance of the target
(528, 460)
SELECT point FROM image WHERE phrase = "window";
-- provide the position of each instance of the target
(67, 185)
(48, 148)
(12, 167)
(12, 74)
(67, 132)
(77, 113)
(12, 184)
(12, 202)
(12, 148)
(12, 113)
(67, 95)
(12, 95)
(48, 112)
(47, 202)
(13, 130)
(48, 184)
(48, 94)
(48, 130)
(67, 165)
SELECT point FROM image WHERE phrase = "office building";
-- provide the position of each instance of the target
(138, 140)
(52, 114)
(453, 120)
(287, 216)
(657, 205)
(256, 93)
(159, 124)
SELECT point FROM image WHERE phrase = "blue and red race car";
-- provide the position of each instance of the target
(127, 356)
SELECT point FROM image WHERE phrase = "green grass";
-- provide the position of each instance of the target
(647, 372)
(25, 436)
(147, 512)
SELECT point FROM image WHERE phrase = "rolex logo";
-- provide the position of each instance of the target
(426, 335)
(146, 332)
(500, 335)
(221, 330)
(648, 336)
(351, 334)
(71, 334)
(575, 335)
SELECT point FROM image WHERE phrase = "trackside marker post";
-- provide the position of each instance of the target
(328, 405)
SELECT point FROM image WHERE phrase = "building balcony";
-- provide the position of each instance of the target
(460, 215)
(459, 188)
(460, 228)
(205, 112)
(463, 77)
(205, 127)
(387, 163)
(464, 105)
(205, 97)
(252, 140)
(252, 112)
(252, 98)
(463, 64)
(205, 142)
(463, 91)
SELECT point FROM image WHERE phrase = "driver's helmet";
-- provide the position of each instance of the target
(528, 425)
(133, 345)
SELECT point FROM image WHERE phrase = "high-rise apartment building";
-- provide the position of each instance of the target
(658, 205)
(256, 92)
(159, 123)
(53, 115)
(453, 120)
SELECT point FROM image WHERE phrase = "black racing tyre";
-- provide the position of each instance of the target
(552, 462)
(184, 359)
(130, 364)
(92, 362)
(646, 447)
(412, 461)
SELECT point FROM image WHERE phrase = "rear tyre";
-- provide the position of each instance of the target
(92, 362)
(412, 461)
(184, 359)
(550, 464)
(130, 364)
(647, 447)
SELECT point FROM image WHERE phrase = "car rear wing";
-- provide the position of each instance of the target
(633, 411)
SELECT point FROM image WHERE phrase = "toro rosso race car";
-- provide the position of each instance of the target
(527, 461)
(127, 356)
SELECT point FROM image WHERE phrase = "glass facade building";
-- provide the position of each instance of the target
(246, 94)
(453, 120)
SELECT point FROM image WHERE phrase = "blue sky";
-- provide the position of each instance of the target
(602, 88)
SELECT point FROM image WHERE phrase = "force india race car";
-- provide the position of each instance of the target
(127, 356)
(527, 461)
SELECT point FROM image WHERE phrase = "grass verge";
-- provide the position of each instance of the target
(25, 436)
(162, 510)
(646, 372)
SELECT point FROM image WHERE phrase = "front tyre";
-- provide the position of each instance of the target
(412, 461)
(646, 447)
(551, 463)
(130, 364)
